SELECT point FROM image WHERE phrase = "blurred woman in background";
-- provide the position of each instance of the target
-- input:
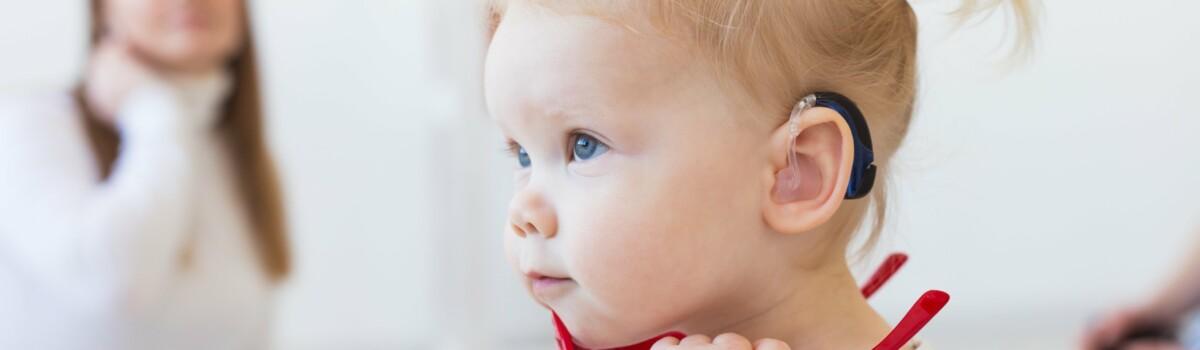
(1156, 323)
(142, 211)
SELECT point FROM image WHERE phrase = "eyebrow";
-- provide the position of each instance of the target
(570, 116)
(561, 106)
(555, 102)
(564, 114)
(535, 114)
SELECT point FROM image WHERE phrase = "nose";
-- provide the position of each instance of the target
(531, 213)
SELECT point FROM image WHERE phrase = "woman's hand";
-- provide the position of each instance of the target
(1153, 345)
(114, 73)
(1133, 328)
(727, 341)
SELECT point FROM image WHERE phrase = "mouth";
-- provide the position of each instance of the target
(190, 20)
(548, 286)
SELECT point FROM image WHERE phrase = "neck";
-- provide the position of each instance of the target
(208, 89)
(826, 311)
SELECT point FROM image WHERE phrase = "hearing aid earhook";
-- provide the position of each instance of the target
(801, 106)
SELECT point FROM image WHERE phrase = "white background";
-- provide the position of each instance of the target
(1036, 196)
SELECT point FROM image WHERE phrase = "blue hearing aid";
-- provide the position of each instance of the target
(862, 171)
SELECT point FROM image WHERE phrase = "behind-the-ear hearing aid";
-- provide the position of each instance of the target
(862, 171)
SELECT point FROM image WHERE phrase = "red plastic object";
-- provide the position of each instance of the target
(565, 339)
(884, 273)
(918, 316)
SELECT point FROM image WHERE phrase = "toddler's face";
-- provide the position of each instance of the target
(639, 183)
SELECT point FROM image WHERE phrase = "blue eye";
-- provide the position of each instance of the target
(587, 147)
(523, 157)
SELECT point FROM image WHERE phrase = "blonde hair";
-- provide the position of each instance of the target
(779, 51)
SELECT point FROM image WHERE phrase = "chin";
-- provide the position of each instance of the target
(597, 342)
(591, 334)
(196, 60)
(194, 51)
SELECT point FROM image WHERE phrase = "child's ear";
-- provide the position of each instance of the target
(806, 194)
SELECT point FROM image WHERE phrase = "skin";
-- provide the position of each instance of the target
(1164, 311)
(679, 224)
(146, 41)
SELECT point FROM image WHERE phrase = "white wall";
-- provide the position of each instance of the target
(393, 171)
(1036, 197)
(41, 43)
(1040, 197)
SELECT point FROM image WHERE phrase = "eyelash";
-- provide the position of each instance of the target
(515, 149)
(511, 148)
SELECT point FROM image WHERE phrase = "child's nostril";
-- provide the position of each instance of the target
(529, 228)
(518, 230)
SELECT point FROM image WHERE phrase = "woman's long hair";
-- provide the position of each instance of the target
(242, 126)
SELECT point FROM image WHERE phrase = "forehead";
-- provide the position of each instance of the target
(542, 61)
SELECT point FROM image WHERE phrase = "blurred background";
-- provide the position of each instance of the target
(1038, 195)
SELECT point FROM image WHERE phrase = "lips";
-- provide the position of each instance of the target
(549, 281)
(547, 286)
(535, 274)
(189, 19)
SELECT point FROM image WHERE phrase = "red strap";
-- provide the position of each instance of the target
(566, 341)
(884, 273)
(564, 338)
(918, 316)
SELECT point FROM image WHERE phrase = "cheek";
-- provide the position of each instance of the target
(512, 250)
(626, 263)
(142, 22)
(628, 292)
(229, 28)
(654, 249)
